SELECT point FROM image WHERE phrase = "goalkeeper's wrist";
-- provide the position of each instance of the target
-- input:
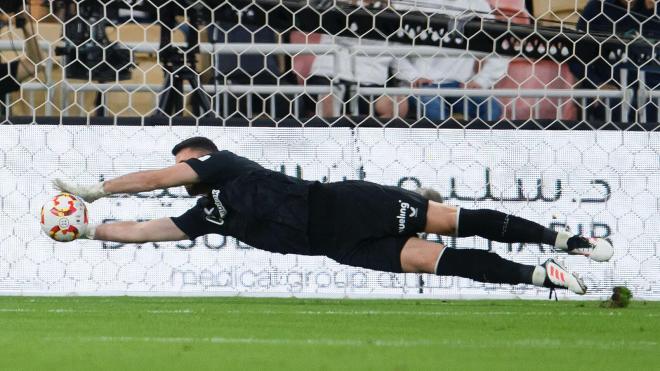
(99, 189)
(90, 232)
(94, 192)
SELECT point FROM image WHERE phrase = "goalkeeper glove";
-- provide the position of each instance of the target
(89, 232)
(88, 193)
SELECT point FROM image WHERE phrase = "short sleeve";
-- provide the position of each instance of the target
(210, 168)
(220, 167)
(193, 222)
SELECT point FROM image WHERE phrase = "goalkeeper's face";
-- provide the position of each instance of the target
(195, 189)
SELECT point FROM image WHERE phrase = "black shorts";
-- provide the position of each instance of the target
(364, 224)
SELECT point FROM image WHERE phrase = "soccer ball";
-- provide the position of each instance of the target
(64, 217)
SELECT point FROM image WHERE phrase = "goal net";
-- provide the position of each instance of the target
(546, 110)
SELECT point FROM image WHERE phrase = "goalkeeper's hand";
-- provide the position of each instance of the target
(89, 193)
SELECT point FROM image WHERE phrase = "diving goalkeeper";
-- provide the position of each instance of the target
(357, 223)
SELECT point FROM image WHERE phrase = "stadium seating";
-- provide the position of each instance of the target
(526, 74)
(554, 12)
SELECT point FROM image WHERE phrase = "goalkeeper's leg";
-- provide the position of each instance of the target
(419, 255)
(497, 226)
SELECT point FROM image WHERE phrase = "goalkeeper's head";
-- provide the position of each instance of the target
(194, 147)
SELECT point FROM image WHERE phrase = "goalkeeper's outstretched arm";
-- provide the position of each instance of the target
(156, 230)
(141, 181)
(181, 174)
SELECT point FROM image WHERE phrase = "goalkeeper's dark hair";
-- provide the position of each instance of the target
(430, 193)
(196, 143)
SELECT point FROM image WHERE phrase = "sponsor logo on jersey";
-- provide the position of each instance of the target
(216, 199)
(405, 211)
(404, 206)
(211, 216)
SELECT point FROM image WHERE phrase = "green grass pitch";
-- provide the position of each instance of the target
(74, 333)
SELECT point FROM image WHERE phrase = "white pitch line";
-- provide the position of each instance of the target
(53, 310)
(494, 343)
(457, 313)
(176, 311)
(62, 310)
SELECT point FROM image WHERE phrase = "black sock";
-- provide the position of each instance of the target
(576, 242)
(497, 226)
(483, 266)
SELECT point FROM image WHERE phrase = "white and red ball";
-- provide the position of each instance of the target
(64, 217)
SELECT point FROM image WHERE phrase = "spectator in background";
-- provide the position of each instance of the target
(455, 71)
(622, 17)
(358, 70)
(247, 68)
(21, 69)
(627, 18)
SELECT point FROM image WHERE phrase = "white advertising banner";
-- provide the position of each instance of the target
(598, 183)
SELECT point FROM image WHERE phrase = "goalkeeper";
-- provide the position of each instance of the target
(357, 223)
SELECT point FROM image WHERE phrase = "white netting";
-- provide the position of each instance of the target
(499, 60)
(295, 92)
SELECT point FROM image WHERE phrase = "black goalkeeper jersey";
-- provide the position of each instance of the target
(263, 208)
(357, 223)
